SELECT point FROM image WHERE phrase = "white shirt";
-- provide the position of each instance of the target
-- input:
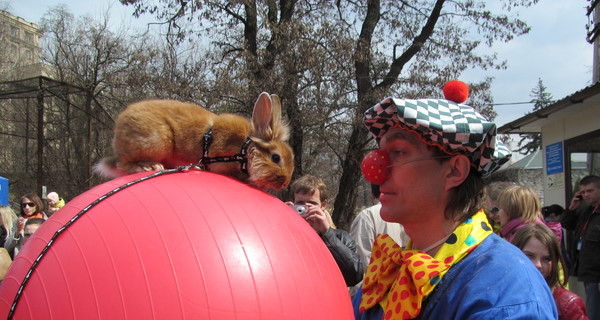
(367, 225)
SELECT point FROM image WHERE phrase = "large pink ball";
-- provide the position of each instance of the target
(185, 245)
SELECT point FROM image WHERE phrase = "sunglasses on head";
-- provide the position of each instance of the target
(494, 210)
(27, 204)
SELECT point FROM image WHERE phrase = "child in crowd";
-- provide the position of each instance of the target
(55, 202)
(540, 245)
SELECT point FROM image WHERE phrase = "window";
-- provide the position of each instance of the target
(14, 31)
(583, 158)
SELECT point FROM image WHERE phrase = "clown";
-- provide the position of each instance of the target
(433, 154)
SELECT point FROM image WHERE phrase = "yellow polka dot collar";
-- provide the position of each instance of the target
(399, 279)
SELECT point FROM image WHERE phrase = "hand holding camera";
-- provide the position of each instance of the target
(300, 208)
(313, 214)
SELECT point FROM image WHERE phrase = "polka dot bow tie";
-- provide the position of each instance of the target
(399, 279)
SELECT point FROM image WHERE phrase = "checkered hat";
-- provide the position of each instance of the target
(456, 128)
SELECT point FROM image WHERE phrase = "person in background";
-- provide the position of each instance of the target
(552, 216)
(8, 218)
(435, 153)
(311, 191)
(492, 192)
(518, 206)
(31, 227)
(55, 202)
(31, 207)
(5, 262)
(585, 246)
(368, 224)
(540, 245)
(553, 213)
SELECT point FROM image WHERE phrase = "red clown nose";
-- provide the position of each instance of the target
(375, 166)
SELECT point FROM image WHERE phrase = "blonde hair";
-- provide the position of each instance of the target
(8, 217)
(520, 202)
(494, 189)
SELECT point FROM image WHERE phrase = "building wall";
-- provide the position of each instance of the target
(19, 48)
(571, 126)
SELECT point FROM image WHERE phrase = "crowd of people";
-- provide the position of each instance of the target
(16, 229)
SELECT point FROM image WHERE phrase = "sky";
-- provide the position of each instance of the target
(555, 50)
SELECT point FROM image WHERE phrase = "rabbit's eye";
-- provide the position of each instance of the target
(275, 158)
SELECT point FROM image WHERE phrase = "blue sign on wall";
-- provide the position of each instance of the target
(554, 158)
(3, 191)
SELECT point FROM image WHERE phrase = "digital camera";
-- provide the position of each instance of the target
(300, 208)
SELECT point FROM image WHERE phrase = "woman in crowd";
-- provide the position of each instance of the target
(518, 206)
(31, 207)
(540, 245)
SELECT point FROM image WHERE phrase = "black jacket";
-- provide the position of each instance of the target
(343, 248)
(586, 260)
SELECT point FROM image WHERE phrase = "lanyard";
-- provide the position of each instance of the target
(588, 220)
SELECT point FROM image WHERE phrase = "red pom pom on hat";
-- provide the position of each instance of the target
(456, 91)
(375, 166)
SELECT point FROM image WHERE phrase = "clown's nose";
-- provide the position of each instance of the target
(375, 166)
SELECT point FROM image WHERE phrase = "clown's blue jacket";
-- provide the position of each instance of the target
(495, 281)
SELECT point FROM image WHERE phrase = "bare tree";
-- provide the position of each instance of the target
(93, 60)
(330, 61)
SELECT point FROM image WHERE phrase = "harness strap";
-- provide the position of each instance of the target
(241, 157)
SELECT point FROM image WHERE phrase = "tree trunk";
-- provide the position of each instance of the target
(345, 202)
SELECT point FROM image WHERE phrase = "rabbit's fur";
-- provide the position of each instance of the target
(158, 134)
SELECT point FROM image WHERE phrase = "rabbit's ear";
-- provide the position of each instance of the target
(279, 127)
(262, 115)
(276, 110)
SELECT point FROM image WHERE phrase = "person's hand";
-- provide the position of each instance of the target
(289, 203)
(20, 224)
(316, 218)
(576, 201)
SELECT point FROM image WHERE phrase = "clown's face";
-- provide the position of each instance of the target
(414, 188)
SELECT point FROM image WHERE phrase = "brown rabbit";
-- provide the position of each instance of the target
(158, 134)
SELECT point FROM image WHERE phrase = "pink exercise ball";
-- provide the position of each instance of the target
(175, 245)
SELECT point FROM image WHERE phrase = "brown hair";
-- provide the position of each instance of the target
(309, 184)
(548, 239)
(519, 201)
(591, 179)
(39, 205)
(465, 199)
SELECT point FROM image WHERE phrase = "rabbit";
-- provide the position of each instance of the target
(161, 134)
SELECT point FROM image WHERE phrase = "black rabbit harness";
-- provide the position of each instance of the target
(241, 157)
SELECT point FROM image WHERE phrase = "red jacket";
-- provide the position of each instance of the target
(570, 306)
